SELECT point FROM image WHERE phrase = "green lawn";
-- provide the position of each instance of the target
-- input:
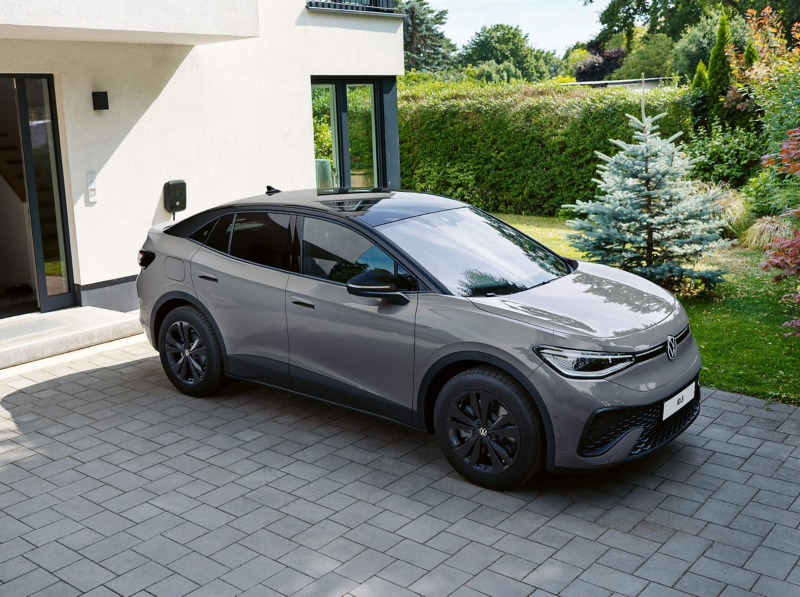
(738, 328)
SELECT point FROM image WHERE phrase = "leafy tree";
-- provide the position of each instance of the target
(597, 67)
(697, 41)
(654, 58)
(650, 220)
(700, 80)
(506, 43)
(426, 47)
(719, 65)
(671, 17)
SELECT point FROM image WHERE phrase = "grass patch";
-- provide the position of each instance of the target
(738, 328)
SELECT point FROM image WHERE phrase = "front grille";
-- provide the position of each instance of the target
(660, 349)
(610, 425)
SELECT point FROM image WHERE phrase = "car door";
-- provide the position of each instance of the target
(352, 350)
(239, 275)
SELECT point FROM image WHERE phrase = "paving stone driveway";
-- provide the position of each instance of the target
(111, 483)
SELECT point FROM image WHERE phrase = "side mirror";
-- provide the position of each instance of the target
(377, 284)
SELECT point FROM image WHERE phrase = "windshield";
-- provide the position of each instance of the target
(473, 254)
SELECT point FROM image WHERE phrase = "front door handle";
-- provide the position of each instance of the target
(301, 302)
(207, 276)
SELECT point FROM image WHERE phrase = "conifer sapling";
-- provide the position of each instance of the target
(651, 219)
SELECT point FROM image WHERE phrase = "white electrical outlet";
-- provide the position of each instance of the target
(91, 187)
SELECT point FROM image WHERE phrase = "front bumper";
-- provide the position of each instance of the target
(633, 402)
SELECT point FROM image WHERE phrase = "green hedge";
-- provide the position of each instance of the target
(516, 148)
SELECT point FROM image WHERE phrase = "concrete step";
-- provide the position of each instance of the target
(35, 336)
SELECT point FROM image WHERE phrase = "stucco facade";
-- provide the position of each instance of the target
(227, 117)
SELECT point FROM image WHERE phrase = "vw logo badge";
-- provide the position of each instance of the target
(672, 348)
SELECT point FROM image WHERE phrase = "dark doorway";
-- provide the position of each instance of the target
(35, 267)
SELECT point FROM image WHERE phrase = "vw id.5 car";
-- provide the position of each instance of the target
(429, 312)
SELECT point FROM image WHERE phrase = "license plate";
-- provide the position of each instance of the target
(676, 403)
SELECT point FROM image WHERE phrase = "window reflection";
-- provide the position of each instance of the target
(48, 197)
(473, 254)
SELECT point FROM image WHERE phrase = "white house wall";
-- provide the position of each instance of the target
(132, 21)
(227, 118)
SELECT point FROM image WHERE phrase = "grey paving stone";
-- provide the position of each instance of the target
(252, 573)
(366, 564)
(553, 576)
(84, 575)
(127, 482)
(495, 585)
(401, 573)
(613, 580)
(663, 569)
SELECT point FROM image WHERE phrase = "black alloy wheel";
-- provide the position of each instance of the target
(186, 352)
(191, 353)
(489, 428)
(483, 432)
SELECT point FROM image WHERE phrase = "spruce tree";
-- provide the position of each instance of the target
(700, 80)
(651, 219)
(719, 65)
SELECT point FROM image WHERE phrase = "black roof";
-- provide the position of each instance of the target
(371, 206)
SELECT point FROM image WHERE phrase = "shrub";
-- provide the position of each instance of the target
(696, 42)
(736, 216)
(765, 230)
(515, 148)
(725, 153)
(783, 255)
(654, 58)
(597, 67)
(651, 220)
(700, 80)
(770, 193)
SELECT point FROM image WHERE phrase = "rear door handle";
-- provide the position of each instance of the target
(301, 302)
(207, 276)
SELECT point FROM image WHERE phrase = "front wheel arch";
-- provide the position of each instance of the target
(447, 367)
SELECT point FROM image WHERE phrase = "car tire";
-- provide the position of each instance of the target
(199, 373)
(489, 429)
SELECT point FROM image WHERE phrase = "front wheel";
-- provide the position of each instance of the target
(190, 352)
(489, 429)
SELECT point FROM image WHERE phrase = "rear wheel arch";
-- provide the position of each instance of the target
(173, 300)
(448, 367)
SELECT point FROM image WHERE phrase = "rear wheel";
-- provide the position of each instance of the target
(190, 352)
(489, 429)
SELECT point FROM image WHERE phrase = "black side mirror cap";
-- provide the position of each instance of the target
(377, 284)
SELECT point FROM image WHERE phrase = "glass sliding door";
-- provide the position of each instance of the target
(361, 135)
(45, 191)
(348, 149)
(326, 135)
(48, 196)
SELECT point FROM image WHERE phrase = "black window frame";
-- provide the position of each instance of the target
(387, 141)
(216, 216)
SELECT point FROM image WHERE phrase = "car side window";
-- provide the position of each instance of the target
(337, 254)
(201, 235)
(260, 237)
(220, 235)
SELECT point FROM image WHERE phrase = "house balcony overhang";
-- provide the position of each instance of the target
(181, 22)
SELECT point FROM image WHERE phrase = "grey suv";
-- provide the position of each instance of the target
(429, 312)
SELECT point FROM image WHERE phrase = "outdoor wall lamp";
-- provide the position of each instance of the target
(100, 100)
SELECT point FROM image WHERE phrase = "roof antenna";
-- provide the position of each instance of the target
(272, 190)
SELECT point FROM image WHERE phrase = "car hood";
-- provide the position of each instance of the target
(595, 301)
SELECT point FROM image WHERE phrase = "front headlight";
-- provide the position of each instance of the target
(584, 364)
